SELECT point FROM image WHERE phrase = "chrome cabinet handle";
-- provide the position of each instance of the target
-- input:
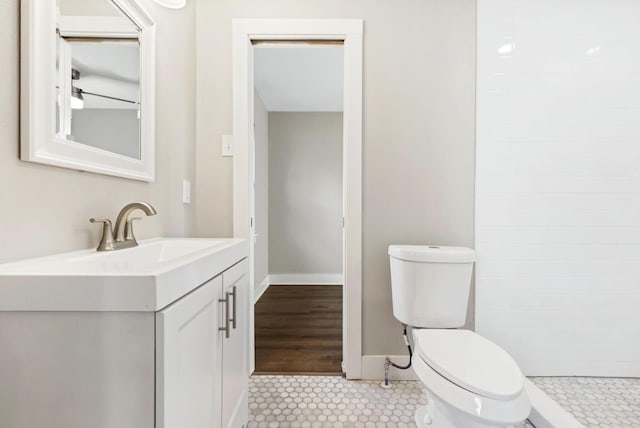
(235, 306)
(226, 317)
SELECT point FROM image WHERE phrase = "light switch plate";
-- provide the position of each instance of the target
(186, 192)
(227, 145)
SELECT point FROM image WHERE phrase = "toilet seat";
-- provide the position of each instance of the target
(471, 362)
(481, 408)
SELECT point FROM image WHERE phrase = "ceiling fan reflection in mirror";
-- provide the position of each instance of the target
(77, 94)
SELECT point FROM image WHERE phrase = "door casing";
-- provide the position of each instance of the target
(350, 32)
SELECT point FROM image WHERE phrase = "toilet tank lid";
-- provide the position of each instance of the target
(432, 253)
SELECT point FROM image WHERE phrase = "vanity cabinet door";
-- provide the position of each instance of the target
(188, 360)
(235, 373)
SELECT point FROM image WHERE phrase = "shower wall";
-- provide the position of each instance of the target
(558, 184)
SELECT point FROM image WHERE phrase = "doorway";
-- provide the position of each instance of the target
(297, 210)
(349, 33)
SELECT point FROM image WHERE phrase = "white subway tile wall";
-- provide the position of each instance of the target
(558, 184)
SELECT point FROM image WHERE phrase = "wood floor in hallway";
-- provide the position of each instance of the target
(299, 330)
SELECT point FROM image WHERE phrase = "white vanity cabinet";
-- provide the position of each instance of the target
(235, 348)
(132, 348)
(201, 353)
(188, 370)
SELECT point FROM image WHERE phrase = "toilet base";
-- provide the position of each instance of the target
(422, 418)
(436, 414)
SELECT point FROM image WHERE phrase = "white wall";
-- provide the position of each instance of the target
(558, 184)
(261, 132)
(305, 193)
(45, 209)
(419, 127)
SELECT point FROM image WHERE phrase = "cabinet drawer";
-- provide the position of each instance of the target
(235, 273)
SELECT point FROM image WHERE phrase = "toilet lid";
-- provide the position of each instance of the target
(471, 362)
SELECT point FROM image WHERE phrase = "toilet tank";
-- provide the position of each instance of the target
(430, 284)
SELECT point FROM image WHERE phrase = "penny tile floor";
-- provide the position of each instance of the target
(333, 402)
(596, 402)
(328, 401)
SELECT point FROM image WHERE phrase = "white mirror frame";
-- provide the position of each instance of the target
(38, 142)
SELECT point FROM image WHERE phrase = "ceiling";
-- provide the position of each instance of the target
(108, 68)
(295, 77)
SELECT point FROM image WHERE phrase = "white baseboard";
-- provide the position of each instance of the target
(373, 368)
(545, 412)
(261, 288)
(305, 278)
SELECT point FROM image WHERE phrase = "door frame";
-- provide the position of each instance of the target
(349, 31)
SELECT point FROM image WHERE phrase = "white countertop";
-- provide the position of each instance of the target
(143, 278)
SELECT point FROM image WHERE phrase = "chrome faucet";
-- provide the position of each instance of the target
(122, 236)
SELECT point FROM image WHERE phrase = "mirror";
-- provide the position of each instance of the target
(100, 78)
(88, 96)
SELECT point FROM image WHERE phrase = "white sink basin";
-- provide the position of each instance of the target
(148, 257)
(143, 278)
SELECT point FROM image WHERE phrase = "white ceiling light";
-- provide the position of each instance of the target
(173, 4)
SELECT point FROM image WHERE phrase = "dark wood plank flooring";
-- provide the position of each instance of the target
(299, 329)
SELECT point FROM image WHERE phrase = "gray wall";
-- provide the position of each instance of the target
(114, 130)
(45, 209)
(419, 100)
(305, 193)
(261, 132)
(419, 95)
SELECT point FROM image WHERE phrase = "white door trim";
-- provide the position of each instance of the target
(350, 31)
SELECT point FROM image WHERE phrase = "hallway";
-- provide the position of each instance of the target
(299, 330)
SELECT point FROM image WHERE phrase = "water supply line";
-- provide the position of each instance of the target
(388, 363)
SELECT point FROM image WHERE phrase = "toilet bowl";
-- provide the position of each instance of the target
(470, 381)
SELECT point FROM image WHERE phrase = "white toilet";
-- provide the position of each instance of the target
(471, 382)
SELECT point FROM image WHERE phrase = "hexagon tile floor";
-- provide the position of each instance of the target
(333, 402)
(596, 402)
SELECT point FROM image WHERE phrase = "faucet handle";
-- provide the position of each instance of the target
(106, 242)
(128, 229)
